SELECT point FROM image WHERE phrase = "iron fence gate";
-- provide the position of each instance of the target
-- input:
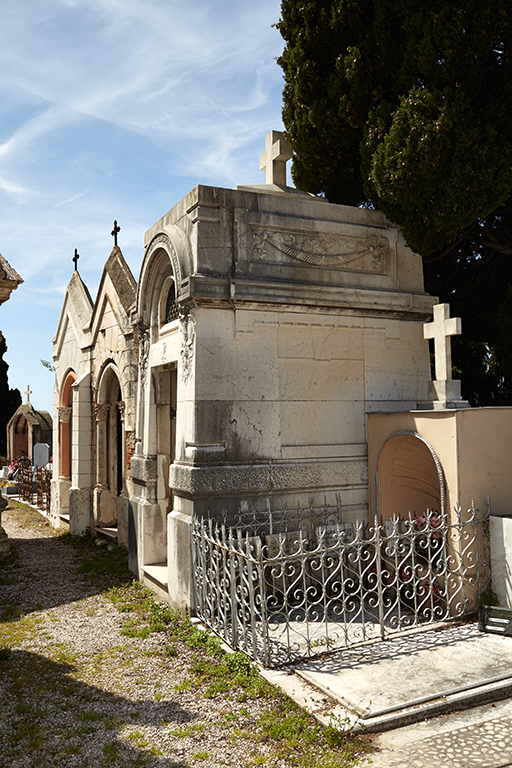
(34, 485)
(285, 586)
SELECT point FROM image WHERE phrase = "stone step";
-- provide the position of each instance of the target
(157, 572)
(108, 533)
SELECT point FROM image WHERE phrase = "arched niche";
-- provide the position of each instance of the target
(409, 478)
(21, 437)
(66, 425)
(110, 459)
(168, 259)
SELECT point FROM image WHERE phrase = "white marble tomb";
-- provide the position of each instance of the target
(265, 326)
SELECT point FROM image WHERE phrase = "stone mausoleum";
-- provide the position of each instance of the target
(26, 428)
(242, 366)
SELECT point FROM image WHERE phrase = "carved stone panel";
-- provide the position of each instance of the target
(367, 253)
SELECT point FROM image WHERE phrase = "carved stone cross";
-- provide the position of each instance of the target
(75, 259)
(273, 160)
(28, 393)
(115, 232)
(440, 330)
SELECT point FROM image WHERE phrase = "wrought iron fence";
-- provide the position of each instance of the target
(34, 485)
(288, 585)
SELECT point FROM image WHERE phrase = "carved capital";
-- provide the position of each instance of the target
(122, 407)
(64, 414)
(101, 411)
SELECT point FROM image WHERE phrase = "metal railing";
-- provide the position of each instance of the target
(289, 585)
(34, 485)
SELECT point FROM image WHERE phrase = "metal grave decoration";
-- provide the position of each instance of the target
(287, 585)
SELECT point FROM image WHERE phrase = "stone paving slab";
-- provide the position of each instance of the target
(418, 668)
(477, 738)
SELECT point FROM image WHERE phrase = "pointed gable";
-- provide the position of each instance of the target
(122, 278)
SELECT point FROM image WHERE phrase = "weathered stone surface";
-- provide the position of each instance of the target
(270, 477)
(264, 326)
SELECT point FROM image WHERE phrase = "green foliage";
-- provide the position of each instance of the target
(100, 563)
(296, 732)
(405, 106)
(10, 399)
(231, 671)
(488, 598)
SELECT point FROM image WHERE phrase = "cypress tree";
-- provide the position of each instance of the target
(407, 107)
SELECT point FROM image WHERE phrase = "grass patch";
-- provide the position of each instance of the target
(56, 691)
(291, 731)
(100, 563)
(232, 671)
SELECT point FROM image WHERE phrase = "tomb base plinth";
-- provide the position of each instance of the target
(4, 542)
(446, 395)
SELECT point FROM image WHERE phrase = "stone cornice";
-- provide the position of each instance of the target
(268, 477)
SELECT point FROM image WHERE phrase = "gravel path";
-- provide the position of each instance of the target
(76, 691)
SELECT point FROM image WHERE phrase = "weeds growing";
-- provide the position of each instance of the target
(52, 684)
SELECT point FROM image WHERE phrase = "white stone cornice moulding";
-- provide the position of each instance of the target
(205, 452)
(268, 477)
(413, 306)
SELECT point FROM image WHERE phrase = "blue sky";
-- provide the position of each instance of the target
(115, 109)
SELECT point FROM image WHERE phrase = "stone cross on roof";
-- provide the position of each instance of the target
(440, 330)
(115, 232)
(28, 393)
(273, 160)
(75, 259)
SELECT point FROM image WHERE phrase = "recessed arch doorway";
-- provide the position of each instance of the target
(109, 450)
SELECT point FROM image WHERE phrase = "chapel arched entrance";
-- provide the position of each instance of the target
(66, 427)
(21, 438)
(110, 450)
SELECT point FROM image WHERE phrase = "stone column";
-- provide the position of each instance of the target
(100, 414)
(103, 514)
(64, 440)
(122, 408)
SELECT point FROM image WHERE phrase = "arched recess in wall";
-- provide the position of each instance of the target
(110, 443)
(66, 425)
(21, 437)
(168, 260)
(409, 477)
(159, 281)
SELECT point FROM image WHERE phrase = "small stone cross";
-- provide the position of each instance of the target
(440, 330)
(273, 160)
(75, 259)
(28, 393)
(115, 232)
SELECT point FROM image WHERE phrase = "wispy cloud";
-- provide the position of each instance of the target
(115, 109)
(72, 199)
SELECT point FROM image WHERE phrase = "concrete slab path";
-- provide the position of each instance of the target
(453, 683)
(416, 675)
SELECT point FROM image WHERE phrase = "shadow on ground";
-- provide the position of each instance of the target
(58, 720)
